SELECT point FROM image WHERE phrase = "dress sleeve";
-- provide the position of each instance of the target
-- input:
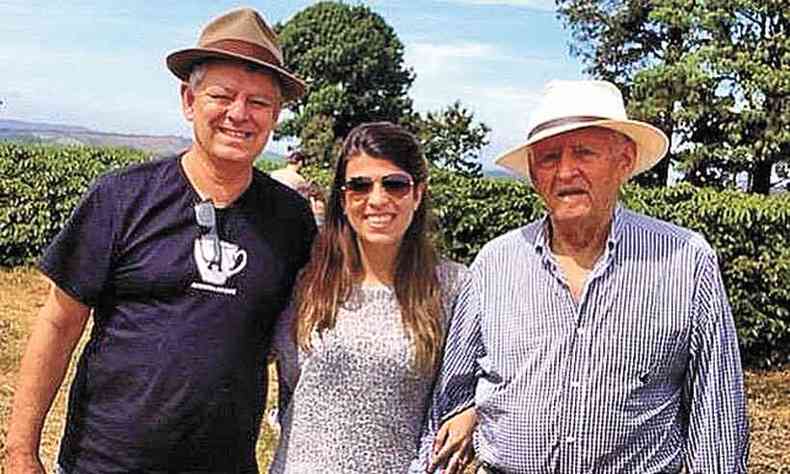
(454, 388)
(713, 394)
(78, 260)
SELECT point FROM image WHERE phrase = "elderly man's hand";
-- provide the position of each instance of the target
(452, 447)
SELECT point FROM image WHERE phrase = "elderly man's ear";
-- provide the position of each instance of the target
(627, 159)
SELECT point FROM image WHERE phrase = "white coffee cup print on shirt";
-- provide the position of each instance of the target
(234, 259)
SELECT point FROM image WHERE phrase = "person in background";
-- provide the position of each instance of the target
(596, 339)
(358, 348)
(317, 203)
(289, 175)
(184, 264)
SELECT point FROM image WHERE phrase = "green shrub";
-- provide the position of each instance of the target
(473, 211)
(40, 185)
(267, 166)
(751, 235)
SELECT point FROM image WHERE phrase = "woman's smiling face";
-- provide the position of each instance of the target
(379, 217)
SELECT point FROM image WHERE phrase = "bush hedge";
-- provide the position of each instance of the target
(39, 185)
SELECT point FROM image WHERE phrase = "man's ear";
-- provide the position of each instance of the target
(187, 102)
(627, 161)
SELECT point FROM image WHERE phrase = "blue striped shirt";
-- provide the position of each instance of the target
(642, 374)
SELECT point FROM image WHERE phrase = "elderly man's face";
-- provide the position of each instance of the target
(233, 111)
(579, 173)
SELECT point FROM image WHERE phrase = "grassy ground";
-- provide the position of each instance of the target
(23, 291)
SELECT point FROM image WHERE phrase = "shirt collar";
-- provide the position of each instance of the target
(541, 241)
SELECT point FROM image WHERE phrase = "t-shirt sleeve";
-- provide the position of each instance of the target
(78, 258)
(308, 235)
(286, 355)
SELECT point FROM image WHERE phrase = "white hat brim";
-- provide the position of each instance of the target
(651, 144)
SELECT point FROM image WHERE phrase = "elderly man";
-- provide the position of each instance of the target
(595, 339)
(184, 263)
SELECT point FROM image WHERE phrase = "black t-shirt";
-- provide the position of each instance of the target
(173, 379)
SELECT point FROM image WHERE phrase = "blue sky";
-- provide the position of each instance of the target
(100, 64)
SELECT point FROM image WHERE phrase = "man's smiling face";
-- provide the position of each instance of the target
(233, 110)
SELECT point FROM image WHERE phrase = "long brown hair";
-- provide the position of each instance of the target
(335, 265)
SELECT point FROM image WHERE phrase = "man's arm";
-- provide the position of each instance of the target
(454, 388)
(59, 326)
(718, 438)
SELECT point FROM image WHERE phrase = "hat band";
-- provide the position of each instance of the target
(560, 122)
(243, 48)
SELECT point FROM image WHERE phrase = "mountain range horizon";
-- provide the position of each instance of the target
(158, 145)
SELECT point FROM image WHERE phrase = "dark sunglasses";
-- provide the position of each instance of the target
(206, 217)
(397, 184)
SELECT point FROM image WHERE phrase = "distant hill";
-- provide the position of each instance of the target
(20, 126)
(272, 156)
(158, 145)
(497, 174)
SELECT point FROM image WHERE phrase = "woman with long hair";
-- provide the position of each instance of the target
(359, 348)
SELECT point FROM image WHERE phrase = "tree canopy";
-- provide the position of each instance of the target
(714, 75)
(451, 139)
(353, 63)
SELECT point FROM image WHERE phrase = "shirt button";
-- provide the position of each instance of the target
(575, 384)
(580, 331)
(570, 439)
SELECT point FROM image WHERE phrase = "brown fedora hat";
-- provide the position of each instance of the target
(240, 34)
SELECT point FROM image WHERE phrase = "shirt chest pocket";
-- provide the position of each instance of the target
(654, 346)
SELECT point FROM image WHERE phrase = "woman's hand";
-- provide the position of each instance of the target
(452, 447)
(23, 464)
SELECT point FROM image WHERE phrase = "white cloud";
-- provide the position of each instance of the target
(547, 5)
(505, 109)
(446, 59)
(457, 50)
(498, 88)
(430, 59)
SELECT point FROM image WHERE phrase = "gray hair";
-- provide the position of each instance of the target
(198, 72)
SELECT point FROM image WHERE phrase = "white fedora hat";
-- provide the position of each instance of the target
(571, 105)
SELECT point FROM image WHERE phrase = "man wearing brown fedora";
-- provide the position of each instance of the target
(184, 263)
(599, 340)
